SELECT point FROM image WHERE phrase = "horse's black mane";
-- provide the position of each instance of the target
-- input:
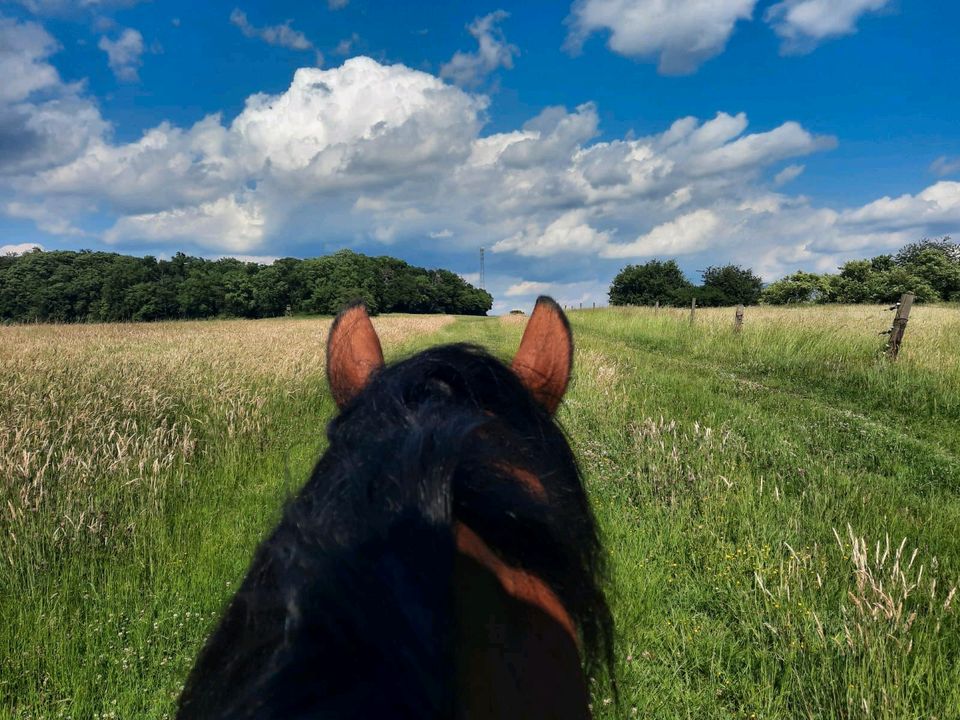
(346, 610)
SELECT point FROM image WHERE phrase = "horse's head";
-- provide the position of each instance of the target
(442, 560)
(543, 362)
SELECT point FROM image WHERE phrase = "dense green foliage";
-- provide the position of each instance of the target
(653, 282)
(663, 282)
(729, 285)
(66, 286)
(930, 269)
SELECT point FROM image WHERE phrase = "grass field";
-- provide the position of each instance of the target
(781, 507)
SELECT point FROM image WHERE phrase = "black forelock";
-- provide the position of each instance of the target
(347, 605)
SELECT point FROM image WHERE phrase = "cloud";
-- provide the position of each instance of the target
(470, 69)
(229, 223)
(44, 122)
(386, 153)
(568, 233)
(281, 35)
(72, 8)
(337, 4)
(346, 45)
(803, 24)
(938, 206)
(124, 54)
(787, 175)
(47, 219)
(333, 135)
(787, 140)
(20, 249)
(528, 287)
(36, 136)
(945, 166)
(24, 48)
(681, 34)
(522, 293)
(682, 236)
(359, 123)
(167, 167)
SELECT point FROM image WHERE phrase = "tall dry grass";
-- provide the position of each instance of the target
(110, 438)
(88, 409)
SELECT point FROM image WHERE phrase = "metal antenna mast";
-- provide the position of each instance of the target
(482, 279)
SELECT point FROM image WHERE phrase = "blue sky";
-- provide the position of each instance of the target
(568, 139)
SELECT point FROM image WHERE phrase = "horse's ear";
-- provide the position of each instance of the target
(545, 357)
(353, 353)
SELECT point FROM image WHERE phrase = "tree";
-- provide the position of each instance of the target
(945, 246)
(729, 285)
(851, 285)
(652, 282)
(801, 287)
(938, 269)
(68, 286)
(888, 286)
(271, 291)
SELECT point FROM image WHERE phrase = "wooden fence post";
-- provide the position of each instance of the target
(693, 308)
(657, 306)
(899, 325)
(738, 319)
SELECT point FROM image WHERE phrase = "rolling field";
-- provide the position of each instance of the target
(781, 507)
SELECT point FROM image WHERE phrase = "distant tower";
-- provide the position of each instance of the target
(482, 279)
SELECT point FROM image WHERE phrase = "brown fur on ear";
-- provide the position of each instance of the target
(545, 357)
(353, 354)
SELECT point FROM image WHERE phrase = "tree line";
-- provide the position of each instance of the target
(929, 268)
(87, 286)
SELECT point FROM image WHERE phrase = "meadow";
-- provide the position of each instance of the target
(781, 506)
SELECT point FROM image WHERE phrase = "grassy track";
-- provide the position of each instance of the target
(753, 491)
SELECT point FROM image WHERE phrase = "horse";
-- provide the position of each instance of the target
(441, 561)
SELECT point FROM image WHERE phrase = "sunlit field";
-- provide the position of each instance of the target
(781, 506)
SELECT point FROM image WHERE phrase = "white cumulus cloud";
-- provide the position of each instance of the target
(24, 48)
(528, 287)
(787, 175)
(493, 52)
(46, 218)
(71, 8)
(682, 236)
(388, 153)
(226, 224)
(944, 165)
(44, 122)
(787, 140)
(802, 24)
(681, 34)
(936, 206)
(568, 233)
(124, 54)
(282, 35)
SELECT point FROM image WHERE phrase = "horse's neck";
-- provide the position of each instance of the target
(514, 659)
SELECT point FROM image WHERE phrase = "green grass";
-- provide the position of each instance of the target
(746, 487)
